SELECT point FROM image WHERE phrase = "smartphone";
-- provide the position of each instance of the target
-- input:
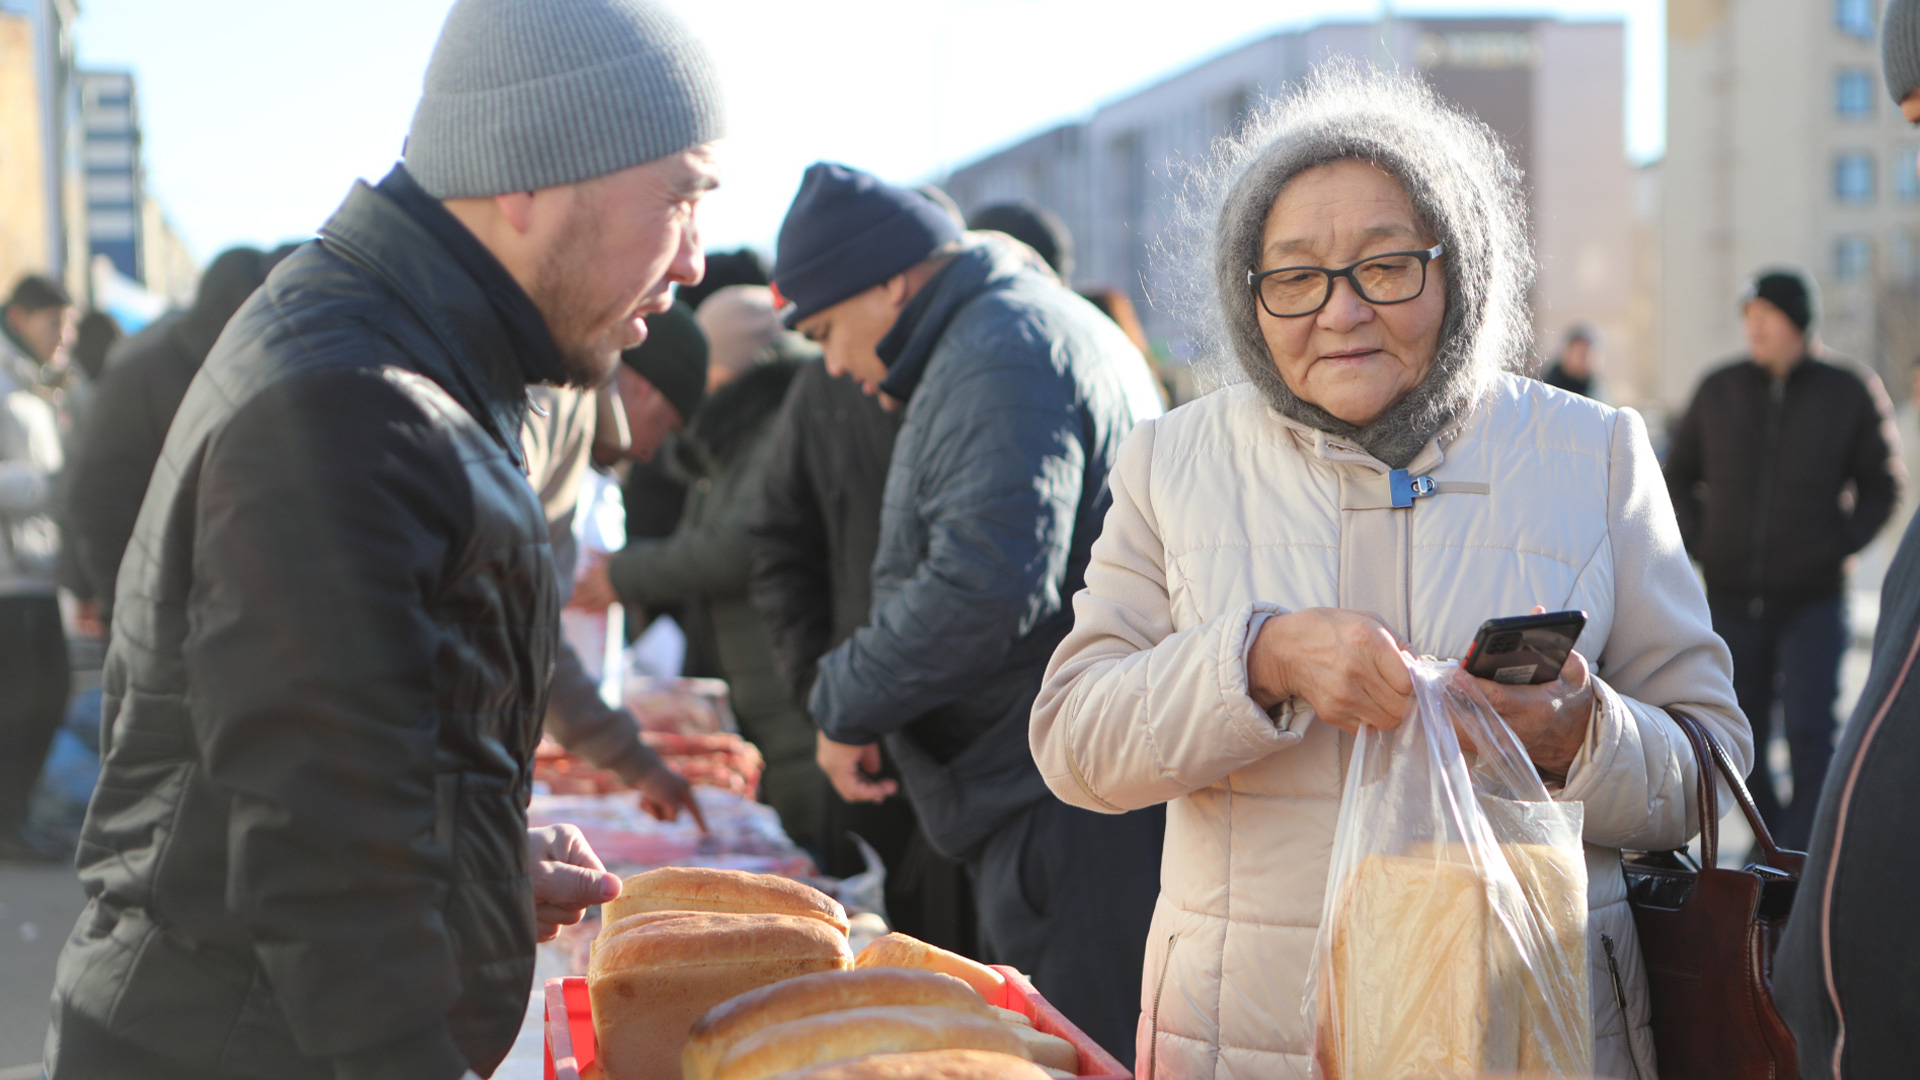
(1524, 649)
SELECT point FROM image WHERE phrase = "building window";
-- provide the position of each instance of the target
(1852, 258)
(1853, 92)
(1906, 174)
(1853, 177)
(1855, 17)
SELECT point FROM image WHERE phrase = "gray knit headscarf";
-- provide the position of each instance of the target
(1465, 190)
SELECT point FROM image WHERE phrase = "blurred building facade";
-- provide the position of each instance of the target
(1554, 90)
(71, 180)
(40, 172)
(1783, 149)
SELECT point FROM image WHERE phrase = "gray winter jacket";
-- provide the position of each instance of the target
(1018, 394)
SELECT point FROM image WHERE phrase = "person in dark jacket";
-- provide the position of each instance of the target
(134, 404)
(815, 530)
(308, 856)
(1782, 467)
(1016, 395)
(1844, 974)
(703, 567)
(1574, 369)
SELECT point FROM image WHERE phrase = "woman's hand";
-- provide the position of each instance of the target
(1346, 665)
(1550, 718)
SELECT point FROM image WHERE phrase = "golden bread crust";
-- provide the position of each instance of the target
(852, 1033)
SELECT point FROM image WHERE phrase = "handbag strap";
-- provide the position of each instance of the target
(1706, 748)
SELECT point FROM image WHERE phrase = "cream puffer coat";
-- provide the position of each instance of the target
(1225, 513)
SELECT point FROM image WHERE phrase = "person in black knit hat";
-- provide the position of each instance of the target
(1756, 469)
(1033, 225)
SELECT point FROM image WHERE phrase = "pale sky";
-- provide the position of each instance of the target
(259, 114)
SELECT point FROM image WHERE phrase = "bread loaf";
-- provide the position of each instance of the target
(697, 888)
(1051, 1051)
(852, 1033)
(1556, 1022)
(1411, 993)
(899, 950)
(810, 995)
(1427, 982)
(650, 981)
(1019, 1019)
(926, 1065)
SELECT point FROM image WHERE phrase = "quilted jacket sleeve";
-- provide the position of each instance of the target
(1636, 772)
(1134, 712)
(315, 711)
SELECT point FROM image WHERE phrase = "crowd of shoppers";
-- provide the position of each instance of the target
(1084, 673)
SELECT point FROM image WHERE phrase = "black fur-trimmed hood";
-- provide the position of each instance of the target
(733, 415)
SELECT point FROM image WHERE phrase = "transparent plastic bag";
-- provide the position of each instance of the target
(1454, 936)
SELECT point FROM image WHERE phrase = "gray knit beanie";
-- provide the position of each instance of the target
(1900, 48)
(526, 94)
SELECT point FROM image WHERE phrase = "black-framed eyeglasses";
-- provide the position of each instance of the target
(1295, 291)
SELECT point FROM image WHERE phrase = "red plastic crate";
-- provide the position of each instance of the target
(570, 1046)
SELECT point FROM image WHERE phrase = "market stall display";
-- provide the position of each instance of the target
(573, 1052)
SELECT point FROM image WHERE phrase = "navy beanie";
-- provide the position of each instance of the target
(1785, 290)
(848, 231)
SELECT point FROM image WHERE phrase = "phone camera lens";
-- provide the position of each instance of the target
(1503, 643)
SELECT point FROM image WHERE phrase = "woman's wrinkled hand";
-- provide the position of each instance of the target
(1345, 665)
(1550, 718)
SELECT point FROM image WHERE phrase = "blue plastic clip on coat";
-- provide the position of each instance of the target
(1405, 488)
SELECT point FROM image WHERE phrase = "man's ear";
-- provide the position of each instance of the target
(517, 208)
(898, 292)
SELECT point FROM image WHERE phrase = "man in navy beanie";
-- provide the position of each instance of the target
(308, 855)
(1016, 394)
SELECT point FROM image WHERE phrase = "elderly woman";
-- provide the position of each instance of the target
(1382, 480)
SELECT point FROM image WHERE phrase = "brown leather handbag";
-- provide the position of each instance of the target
(1707, 936)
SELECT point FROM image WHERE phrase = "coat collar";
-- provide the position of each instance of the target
(983, 264)
(487, 361)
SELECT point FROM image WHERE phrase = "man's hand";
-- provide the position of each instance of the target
(663, 792)
(852, 770)
(594, 590)
(1346, 665)
(568, 877)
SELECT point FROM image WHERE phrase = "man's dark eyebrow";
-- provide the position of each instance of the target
(698, 182)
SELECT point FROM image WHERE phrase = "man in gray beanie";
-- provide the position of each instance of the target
(308, 855)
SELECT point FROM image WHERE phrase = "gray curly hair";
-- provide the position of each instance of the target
(1465, 190)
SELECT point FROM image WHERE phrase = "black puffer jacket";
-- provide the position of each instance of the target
(307, 854)
(1757, 468)
(1018, 394)
(816, 524)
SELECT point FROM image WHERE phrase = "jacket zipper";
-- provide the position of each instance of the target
(1763, 505)
(1620, 995)
(1153, 1028)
